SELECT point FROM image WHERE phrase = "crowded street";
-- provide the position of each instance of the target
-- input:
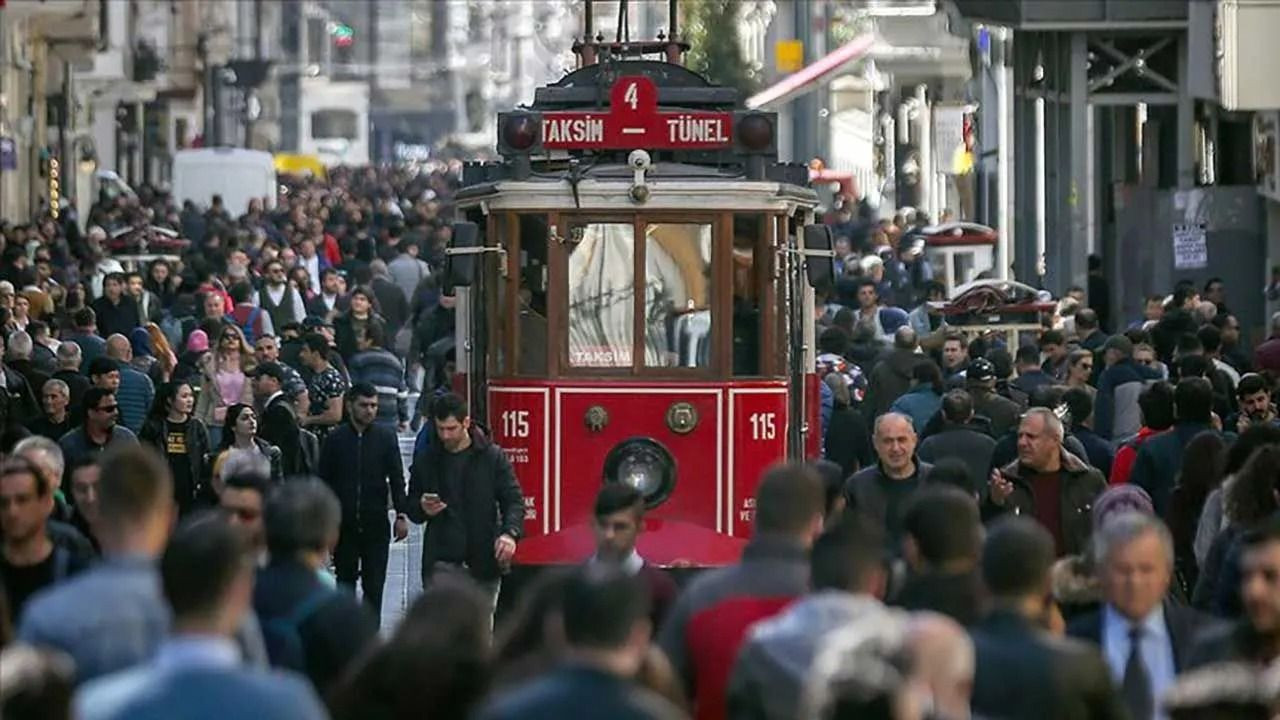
(639, 359)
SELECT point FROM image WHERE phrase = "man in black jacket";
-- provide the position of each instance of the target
(279, 424)
(463, 487)
(1023, 671)
(360, 461)
(1143, 637)
(960, 437)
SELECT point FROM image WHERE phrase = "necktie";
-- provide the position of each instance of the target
(1136, 688)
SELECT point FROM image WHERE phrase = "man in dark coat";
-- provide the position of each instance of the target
(115, 311)
(1046, 483)
(891, 376)
(464, 488)
(619, 520)
(959, 438)
(361, 461)
(980, 381)
(301, 520)
(883, 490)
(942, 545)
(607, 631)
(1160, 458)
(279, 424)
(1144, 637)
(1023, 672)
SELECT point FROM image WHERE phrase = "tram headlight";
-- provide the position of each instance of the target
(645, 465)
(520, 131)
(755, 131)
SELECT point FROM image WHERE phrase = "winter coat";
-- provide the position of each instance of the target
(919, 403)
(1081, 485)
(890, 379)
(964, 442)
(492, 505)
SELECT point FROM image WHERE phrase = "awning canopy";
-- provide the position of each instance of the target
(814, 75)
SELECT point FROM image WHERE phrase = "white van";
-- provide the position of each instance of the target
(238, 175)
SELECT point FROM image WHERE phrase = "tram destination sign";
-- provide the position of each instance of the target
(634, 121)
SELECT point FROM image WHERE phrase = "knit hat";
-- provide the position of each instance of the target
(198, 341)
(1118, 500)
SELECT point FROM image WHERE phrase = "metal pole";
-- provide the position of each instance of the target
(588, 42)
(1004, 155)
(673, 30)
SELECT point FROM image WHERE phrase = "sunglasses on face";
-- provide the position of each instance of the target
(108, 409)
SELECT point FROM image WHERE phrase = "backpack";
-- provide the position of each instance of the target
(282, 635)
(247, 327)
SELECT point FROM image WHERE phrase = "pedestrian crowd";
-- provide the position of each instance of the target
(202, 462)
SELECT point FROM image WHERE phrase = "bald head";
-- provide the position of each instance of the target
(118, 348)
(942, 658)
(895, 443)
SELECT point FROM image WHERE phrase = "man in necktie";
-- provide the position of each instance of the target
(1143, 637)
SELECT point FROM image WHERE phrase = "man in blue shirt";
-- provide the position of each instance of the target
(112, 616)
(207, 578)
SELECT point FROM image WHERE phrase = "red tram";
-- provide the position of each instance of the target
(635, 290)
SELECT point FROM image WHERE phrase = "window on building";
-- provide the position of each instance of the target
(335, 124)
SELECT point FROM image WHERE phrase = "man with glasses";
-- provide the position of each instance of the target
(277, 298)
(99, 429)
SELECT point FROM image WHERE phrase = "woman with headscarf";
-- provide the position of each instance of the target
(188, 366)
(143, 360)
(1075, 586)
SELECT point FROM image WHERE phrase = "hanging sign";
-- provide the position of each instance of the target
(1190, 247)
(633, 121)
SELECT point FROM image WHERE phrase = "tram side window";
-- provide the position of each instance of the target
(532, 296)
(677, 295)
(601, 293)
(747, 231)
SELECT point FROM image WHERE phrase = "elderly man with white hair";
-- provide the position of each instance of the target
(1047, 483)
(1143, 636)
(883, 489)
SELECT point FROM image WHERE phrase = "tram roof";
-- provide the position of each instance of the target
(672, 186)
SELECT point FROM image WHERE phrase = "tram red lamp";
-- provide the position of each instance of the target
(519, 132)
(645, 465)
(755, 132)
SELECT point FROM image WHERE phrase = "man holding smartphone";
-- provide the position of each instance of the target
(464, 488)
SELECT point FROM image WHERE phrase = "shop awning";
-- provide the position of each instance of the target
(814, 75)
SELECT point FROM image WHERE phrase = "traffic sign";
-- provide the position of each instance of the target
(634, 121)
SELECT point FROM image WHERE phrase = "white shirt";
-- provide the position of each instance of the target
(630, 566)
(312, 264)
(1157, 650)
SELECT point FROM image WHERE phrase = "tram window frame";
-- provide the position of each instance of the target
(721, 229)
(761, 278)
(516, 241)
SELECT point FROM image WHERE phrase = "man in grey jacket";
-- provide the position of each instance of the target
(848, 578)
